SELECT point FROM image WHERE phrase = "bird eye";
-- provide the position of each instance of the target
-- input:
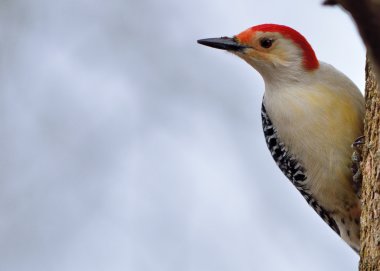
(266, 43)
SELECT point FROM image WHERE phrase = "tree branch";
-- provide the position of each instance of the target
(366, 14)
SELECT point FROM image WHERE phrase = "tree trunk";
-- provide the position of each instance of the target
(370, 217)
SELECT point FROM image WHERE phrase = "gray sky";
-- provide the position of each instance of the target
(127, 146)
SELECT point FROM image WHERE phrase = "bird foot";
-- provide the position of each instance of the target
(356, 158)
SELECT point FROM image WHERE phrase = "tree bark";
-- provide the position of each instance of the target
(370, 222)
(366, 14)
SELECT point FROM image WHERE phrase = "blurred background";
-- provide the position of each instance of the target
(125, 145)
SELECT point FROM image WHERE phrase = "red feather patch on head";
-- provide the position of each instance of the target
(310, 60)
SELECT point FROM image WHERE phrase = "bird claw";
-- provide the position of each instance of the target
(358, 142)
(356, 158)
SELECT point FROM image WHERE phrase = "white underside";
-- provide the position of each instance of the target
(318, 123)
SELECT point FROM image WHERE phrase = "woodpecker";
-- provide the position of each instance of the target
(311, 113)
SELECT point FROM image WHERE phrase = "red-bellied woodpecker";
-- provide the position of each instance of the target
(311, 114)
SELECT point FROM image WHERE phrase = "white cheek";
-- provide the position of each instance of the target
(282, 62)
(286, 54)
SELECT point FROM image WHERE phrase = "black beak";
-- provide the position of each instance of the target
(224, 43)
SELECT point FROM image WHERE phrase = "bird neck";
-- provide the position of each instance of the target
(285, 77)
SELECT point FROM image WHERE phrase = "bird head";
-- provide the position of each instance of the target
(275, 51)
